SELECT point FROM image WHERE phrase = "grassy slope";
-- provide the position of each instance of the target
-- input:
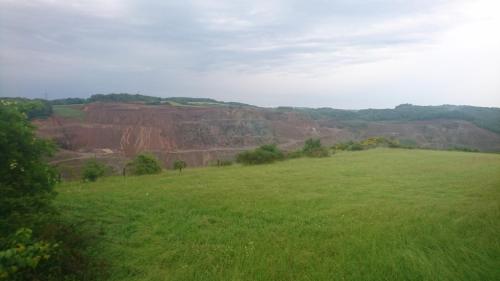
(69, 111)
(372, 215)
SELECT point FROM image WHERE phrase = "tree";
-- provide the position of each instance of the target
(179, 165)
(93, 170)
(144, 164)
(26, 180)
(26, 189)
(33, 109)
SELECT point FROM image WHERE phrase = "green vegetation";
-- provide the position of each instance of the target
(68, 101)
(268, 153)
(222, 163)
(144, 164)
(33, 109)
(179, 165)
(313, 148)
(124, 97)
(380, 214)
(92, 170)
(488, 118)
(26, 180)
(21, 259)
(375, 142)
(26, 184)
(34, 243)
(69, 111)
(368, 143)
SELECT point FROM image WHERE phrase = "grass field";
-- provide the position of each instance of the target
(372, 215)
(69, 111)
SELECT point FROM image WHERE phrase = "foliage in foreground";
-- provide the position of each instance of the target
(26, 180)
(23, 255)
(268, 153)
(144, 164)
(34, 243)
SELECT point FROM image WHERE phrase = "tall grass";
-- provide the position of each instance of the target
(383, 214)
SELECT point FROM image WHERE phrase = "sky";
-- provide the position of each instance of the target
(340, 53)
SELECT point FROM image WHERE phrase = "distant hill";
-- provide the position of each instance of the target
(484, 117)
(151, 100)
(202, 130)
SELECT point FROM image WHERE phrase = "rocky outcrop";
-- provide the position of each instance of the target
(202, 135)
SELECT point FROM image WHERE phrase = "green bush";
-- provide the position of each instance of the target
(355, 146)
(23, 255)
(368, 143)
(179, 165)
(265, 154)
(313, 148)
(145, 164)
(93, 170)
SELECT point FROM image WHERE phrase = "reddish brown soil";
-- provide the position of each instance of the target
(201, 135)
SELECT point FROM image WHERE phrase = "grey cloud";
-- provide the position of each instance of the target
(153, 45)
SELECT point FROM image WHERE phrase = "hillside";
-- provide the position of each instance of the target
(372, 215)
(201, 133)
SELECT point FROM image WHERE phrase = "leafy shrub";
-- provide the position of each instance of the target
(23, 256)
(93, 170)
(372, 142)
(313, 148)
(144, 164)
(265, 154)
(179, 165)
(368, 143)
(355, 146)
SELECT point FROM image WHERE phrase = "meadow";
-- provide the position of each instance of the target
(69, 111)
(381, 214)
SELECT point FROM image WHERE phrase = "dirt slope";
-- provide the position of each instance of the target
(201, 135)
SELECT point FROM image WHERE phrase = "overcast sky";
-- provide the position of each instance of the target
(337, 53)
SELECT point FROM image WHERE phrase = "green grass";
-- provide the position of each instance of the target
(372, 215)
(69, 111)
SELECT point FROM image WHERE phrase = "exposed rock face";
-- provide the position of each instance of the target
(198, 135)
(201, 135)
